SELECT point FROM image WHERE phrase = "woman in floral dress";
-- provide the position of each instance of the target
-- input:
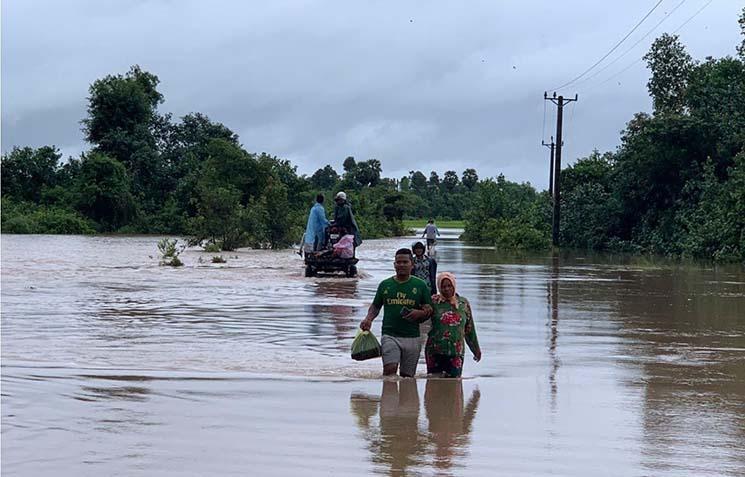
(452, 324)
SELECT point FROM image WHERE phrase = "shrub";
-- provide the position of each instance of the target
(169, 252)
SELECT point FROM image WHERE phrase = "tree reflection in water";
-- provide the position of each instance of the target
(398, 442)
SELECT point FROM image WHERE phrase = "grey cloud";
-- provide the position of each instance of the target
(417, 85)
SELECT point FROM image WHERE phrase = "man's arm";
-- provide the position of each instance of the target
(425, 312)
(420, 316)
(372, 313)
(374, 310)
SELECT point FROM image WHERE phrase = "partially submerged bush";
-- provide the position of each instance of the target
(218, 259)
(212, 247)
(169, 252)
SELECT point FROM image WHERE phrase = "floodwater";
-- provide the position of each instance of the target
(113, 365)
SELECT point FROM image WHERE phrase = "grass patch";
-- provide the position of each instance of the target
(441, 224)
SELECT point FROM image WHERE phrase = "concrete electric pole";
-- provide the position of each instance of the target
(559, 102)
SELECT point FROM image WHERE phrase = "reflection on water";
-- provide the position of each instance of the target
(553, 305)
(593, 365)
(399, 442)
(450, 421)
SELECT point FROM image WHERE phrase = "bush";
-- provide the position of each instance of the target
(211, 247)
(169, 252)
(517, 235)
(26, 218)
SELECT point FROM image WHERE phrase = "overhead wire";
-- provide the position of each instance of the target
(693, 16)
(611, 50)
(638, 60)
(628, 50)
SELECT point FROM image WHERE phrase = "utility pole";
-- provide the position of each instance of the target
(551, 145)
(559, 102)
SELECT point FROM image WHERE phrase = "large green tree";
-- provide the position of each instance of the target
(671, 66)
(123, 123)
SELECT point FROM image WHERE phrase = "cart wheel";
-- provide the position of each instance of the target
(309, 271)
(352, 271)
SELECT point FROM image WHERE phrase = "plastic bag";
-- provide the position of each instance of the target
(344, 248)
(365, 346)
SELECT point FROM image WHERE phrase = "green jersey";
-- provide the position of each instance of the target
(393, 296)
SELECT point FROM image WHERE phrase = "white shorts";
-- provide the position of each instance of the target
(402, 351)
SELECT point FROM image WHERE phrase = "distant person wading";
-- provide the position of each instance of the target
(431, 233)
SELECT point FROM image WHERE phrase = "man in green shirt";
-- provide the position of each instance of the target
(406, 302)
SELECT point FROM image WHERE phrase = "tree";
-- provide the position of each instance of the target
(470, 178)
(418, 182)
(434, 180)
(596, 169)
(741, 47)
(183, 150)
(450, 181)
(367, 173)
(716, 98)
(123, 123)
(324, 179)
(229, 164)
(121, 112)
(104, 193)
(349, 164)
(507, 214)
(671, 66)
(183, 144)
(27, 172)
(404, 184)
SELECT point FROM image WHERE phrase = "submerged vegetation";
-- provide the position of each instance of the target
(676, 184)
(169, 252)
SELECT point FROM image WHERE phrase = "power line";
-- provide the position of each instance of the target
(595, 74)
(635, 62)
(693, 16)
(612, 49)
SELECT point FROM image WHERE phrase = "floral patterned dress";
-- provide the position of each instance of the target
(451, 326)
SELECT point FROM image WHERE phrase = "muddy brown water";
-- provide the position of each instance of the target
(593, 365)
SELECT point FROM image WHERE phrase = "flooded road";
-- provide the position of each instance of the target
(113, 365)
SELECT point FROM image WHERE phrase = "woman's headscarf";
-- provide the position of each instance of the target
(447, 276)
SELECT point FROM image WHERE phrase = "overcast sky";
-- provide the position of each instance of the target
(418, 85)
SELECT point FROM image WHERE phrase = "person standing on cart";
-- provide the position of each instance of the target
(315, 231)
(344, 218)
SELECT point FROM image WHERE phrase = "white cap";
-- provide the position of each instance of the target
(341, 195)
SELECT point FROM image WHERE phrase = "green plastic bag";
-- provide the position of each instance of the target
(365, 346)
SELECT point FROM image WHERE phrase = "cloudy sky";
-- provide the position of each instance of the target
(426, 85)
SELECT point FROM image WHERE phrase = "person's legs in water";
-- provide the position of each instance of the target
(430, 246)
(444, 365)
(411, 348)
(403, 352)
(391, 355)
